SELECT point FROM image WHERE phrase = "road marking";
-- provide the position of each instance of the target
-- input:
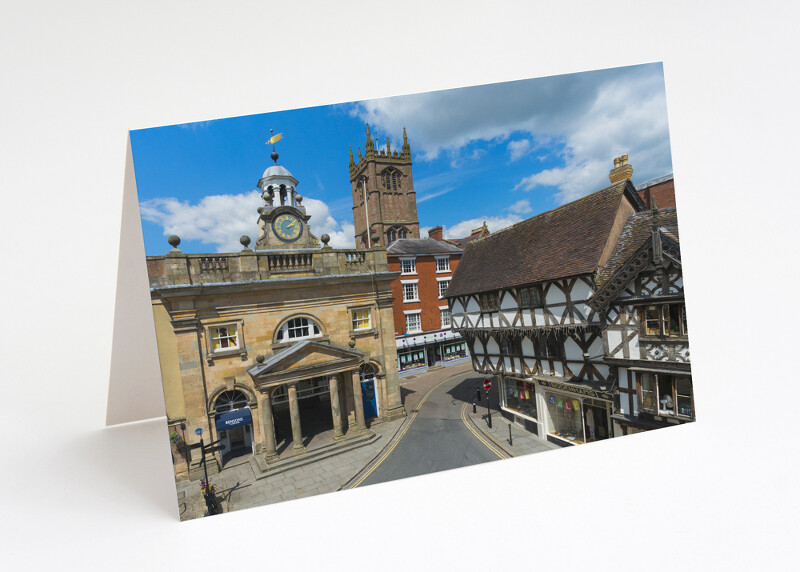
(386, 453)
(491, 447)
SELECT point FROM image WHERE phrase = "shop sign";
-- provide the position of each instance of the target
(235, 418)
(573, 389)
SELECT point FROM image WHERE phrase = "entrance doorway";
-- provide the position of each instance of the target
(234, 425)
(368, 391)
(595, 420)
(431, 356)
(314, 404)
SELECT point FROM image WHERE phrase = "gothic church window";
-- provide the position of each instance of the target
(391, 180)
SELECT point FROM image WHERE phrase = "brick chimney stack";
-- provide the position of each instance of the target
(436, 233)
(621, 170)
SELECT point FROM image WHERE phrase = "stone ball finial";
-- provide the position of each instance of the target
(375, 238)
(244, 240)
(174, 240)
(260, 358)
(298, 199)
(352, 343)
(325, 238)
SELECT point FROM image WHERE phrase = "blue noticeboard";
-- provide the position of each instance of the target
(235, 418)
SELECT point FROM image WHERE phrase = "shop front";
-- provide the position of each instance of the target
(575, 413)
(518, 402)
(415, 354)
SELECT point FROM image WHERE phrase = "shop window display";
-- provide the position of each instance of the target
(454, 351)
(411, 359)
(520, 397)
(565, 416)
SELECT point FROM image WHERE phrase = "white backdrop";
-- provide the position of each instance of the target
(76, 76)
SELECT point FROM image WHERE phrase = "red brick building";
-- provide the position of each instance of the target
(421, 313)
(661, 189)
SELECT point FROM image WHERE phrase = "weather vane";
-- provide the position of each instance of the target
(271, 141)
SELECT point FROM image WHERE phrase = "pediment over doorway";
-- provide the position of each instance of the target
(303, 360)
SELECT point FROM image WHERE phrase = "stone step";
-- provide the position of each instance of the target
(262, 469)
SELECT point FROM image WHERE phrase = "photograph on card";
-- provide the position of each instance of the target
(360, 292)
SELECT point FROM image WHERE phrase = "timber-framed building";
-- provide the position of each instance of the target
(574, 310)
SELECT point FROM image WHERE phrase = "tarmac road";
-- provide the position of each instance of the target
(438, 438)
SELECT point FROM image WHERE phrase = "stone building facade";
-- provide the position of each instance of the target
(263, 348)
(382, 189)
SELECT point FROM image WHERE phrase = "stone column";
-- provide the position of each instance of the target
(268, 425)
(294, 412)
(336, 412)
(358, 402)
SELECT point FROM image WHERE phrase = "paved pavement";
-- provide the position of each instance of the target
(439, 419)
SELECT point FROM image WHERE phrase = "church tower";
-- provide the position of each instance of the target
(384, 201)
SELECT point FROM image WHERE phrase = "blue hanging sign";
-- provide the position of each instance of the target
(235, 418)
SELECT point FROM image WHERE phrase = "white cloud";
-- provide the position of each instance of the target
(494, 223)
(322, 222)
(429, 196)
(518, 148)
(220, 220)
(522, 206)
(589, 118)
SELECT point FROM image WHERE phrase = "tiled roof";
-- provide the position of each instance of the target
(420, 246)
(636, 232)
(566, 241)
(463, 242)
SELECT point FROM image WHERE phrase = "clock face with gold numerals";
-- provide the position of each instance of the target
(287, 227)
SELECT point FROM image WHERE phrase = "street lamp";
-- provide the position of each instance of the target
(207, 493)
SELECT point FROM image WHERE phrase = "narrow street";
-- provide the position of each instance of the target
(437, 439)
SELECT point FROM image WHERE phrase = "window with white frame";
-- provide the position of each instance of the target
(413, 323)
(298, 329)
(410, 292)
(445, 315)
(443, 264)
(224, 338)
(443, 284)
(361, 319)
(408, 266)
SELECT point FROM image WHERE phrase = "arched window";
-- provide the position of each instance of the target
(230, 400)
(366, 372)
(394, 233)
(391, 180)
(298, 329)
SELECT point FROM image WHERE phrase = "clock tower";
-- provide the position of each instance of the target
(282, 221)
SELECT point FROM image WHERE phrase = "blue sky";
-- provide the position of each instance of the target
(500, 153)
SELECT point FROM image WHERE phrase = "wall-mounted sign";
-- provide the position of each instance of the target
(235, 418)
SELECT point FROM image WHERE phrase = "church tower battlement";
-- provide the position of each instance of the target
(382, 187)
